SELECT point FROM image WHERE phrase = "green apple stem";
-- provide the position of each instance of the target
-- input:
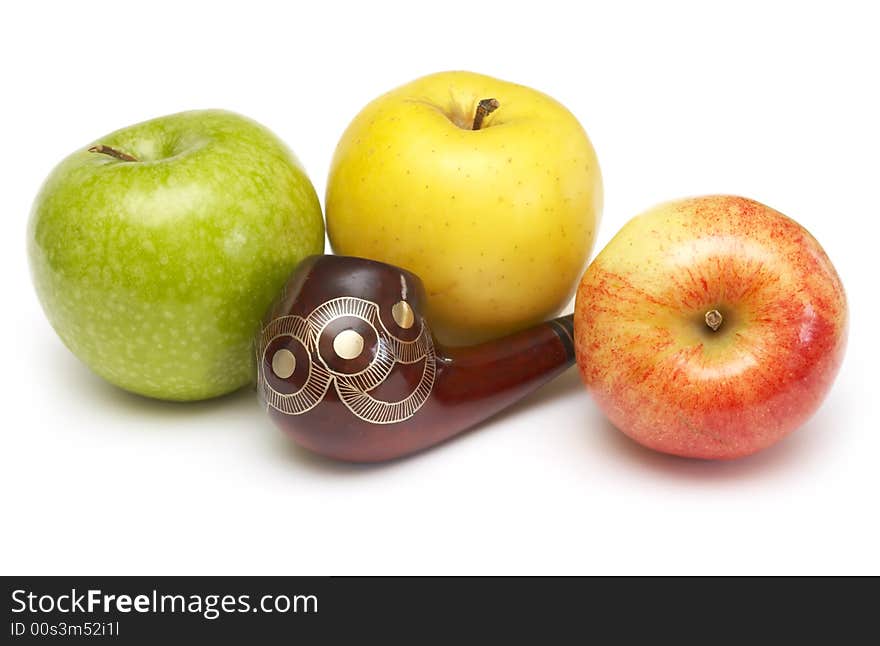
(484, 108)
(107, 150)
(714, 319)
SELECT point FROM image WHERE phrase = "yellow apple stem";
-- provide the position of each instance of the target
(484, 108)
(107, 150)
(714, 319)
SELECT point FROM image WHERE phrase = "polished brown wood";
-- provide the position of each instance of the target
(398, 392)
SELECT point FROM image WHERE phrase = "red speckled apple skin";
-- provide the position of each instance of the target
(662, 376)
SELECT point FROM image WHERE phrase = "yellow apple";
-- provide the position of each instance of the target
(497, 220)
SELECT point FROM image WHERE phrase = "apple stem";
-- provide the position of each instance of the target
(107, 150)
(484, 108)
(714, 319)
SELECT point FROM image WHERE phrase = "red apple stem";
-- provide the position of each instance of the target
(107, 150)
(484, 109)
(714, 319)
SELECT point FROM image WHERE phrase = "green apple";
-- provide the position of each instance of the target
(489, 191)
(156, 250)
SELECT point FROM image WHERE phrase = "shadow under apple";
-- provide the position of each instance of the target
(796, 451)
(102, 395)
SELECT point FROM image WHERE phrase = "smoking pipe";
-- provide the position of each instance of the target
(347, 365)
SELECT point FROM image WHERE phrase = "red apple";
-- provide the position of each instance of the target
(710, 327)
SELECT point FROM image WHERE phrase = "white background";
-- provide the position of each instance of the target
(774, 101)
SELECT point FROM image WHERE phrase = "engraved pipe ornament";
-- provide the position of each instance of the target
(347, 365)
